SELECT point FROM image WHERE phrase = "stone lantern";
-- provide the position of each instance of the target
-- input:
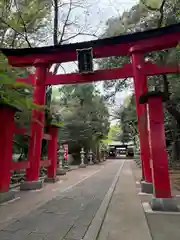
(90, 157)
(60, 170)
(82, 154)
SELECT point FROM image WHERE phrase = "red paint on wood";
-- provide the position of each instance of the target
(140, 86)
(29, 80)
(6, 144)
(60, 55)
(37, 127)
(45, 163)
(52, 151)
(22, 131)
(103, 75)
(160, 174)
(159, 43)
(19, 165)
(67, 56)
(99, 75)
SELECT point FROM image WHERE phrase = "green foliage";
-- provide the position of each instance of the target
(84, 114)
(114, 133)
(22, 23)
(154, 4)
(151, 14)
(28, 24)
(128, 120)
(146, 15)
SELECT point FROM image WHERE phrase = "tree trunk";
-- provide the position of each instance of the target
(55, 34)
(175, 144)
(170, 106)
(97, 152)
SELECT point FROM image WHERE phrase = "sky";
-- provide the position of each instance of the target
(99, 11)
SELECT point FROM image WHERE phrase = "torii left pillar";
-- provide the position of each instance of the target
(37, 130)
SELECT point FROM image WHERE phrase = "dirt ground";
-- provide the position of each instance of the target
(175, 179)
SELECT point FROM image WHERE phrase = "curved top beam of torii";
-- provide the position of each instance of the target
(147, 41)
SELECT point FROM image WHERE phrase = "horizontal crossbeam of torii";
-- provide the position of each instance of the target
(102, 75)
(147, 41)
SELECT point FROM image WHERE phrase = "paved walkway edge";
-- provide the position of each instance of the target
(95, 227)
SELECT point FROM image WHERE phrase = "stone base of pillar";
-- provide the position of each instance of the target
(6, 196)
(60, 172)
(164, 204)
(91, 163)
(96, 161)
(142, 179)
(82, 165)
(26, 186)
(51, 180)
(66, 168)
(146, 187)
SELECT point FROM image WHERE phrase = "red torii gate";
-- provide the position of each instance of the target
(134, 45)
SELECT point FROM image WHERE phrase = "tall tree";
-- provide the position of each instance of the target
(150, 14)
(36, 23)
(114, 132)
(69, 22)
(140, 17)
(21, 23)
(85, 116)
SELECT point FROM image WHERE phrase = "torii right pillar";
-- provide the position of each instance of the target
(162, 199)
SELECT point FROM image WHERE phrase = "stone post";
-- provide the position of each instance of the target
(91, 157)
(60, 170)
(104, 156)
(82, 154)
(66, 165)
